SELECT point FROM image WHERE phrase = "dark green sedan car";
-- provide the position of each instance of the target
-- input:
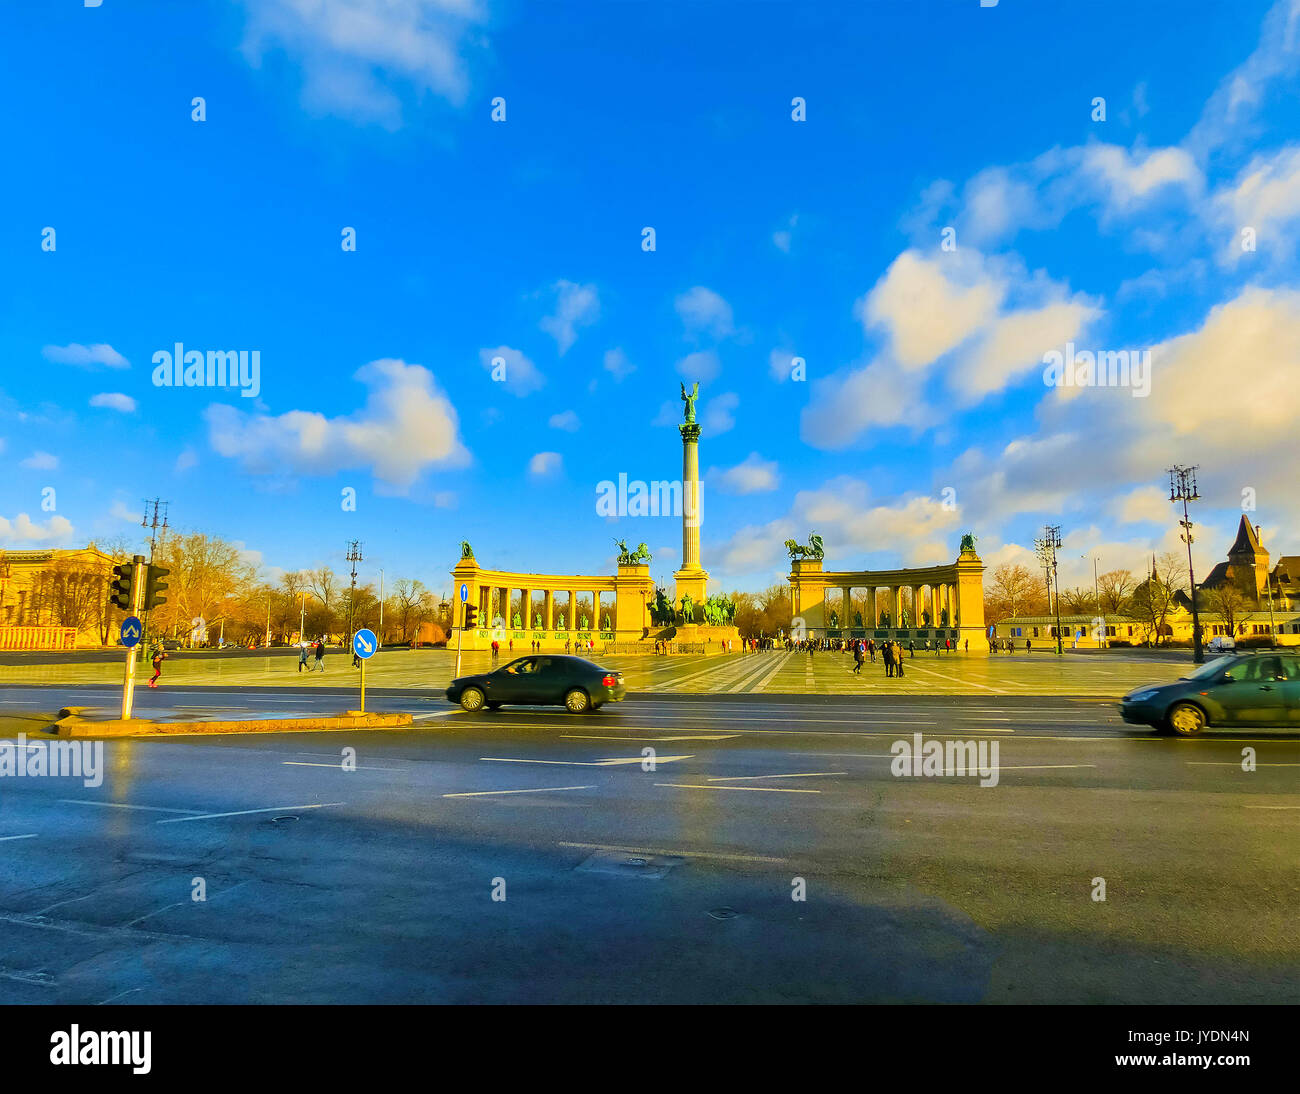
(1233, 692)
(544, 680)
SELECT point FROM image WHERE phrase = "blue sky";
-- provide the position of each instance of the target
(924, 412)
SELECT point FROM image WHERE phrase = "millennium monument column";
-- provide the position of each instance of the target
(691, 578)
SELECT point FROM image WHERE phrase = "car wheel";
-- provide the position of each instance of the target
(1186, 719)
(471, 699)
(494, 706)
(576, 701)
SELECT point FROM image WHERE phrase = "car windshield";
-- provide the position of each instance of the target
(1208, 670)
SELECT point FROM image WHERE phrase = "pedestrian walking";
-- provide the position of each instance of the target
(1026, 645)
(887, 655)
(968, 645)
(858, 658)
(898, 669)
(158, 658)
(320, 656)
(911, 648)
(302, 657)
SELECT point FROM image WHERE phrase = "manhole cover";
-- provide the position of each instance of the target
(621, 863)
(283, 820)
(723, 913)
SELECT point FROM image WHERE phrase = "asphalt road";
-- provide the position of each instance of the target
(668, 885)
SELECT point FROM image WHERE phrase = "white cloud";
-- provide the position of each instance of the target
(521, 375)
(782, 237)
(617, 364)
(119, 511)
(566, 420)
(114, 400)
(99, 355)
(360, 58)
(445, 499)
(1266, 198)
(917, 529)
(545, 464)
(717, 416)
(1229, 114)
(930, 305)
(22, 529)
(406, 426)
(575, 306)
(847, 404)
(779, 364)
(187, 459)
(702, 366)
(1143, 504)
(1129, 178)
(1016, 344)
(40, 461)
(754, 475)
(703, 311)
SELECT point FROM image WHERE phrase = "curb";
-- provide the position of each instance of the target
(73, 726)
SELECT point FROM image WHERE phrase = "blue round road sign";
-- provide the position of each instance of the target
(132, 629)
(464, 593)
(364, 643)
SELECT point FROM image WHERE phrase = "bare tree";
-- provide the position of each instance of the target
(1227, 601)
(1114, 588)
(1013, 591)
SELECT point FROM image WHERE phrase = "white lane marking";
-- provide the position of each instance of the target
(537, 790)
(684, 737)
(1273, 807)
(126, 805)
(673, 854)
(615, 762)
(955, 679)
(29, 835)
(337, 766)
(246, 812)
(1231, 763)
(435, 714)
(762, 684)
(796, 775)
(1039, 767)
(768, 789)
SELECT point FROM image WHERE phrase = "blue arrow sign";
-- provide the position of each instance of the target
(364, 643)
(464, 593)
(131, 630)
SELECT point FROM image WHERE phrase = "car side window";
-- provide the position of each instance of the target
(1270, 668)
(521, 668)
(544, 664)
(1290, 668)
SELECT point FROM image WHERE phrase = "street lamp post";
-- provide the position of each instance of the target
(1182, 487)
(354, 556)
(1047, 548)
(380, 638)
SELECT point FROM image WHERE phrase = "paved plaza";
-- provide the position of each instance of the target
(1097, 675)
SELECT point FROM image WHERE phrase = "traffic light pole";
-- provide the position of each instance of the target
(460, 635)
(138, 577)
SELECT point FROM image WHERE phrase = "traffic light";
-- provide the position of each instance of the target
(471, 613)
(120, 589)
(154, 585)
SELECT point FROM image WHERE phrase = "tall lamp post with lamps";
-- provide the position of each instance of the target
(1182, 487)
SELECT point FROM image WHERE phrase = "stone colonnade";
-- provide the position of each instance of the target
(494, 592)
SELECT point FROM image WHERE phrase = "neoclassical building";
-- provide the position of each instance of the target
(923, 603)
